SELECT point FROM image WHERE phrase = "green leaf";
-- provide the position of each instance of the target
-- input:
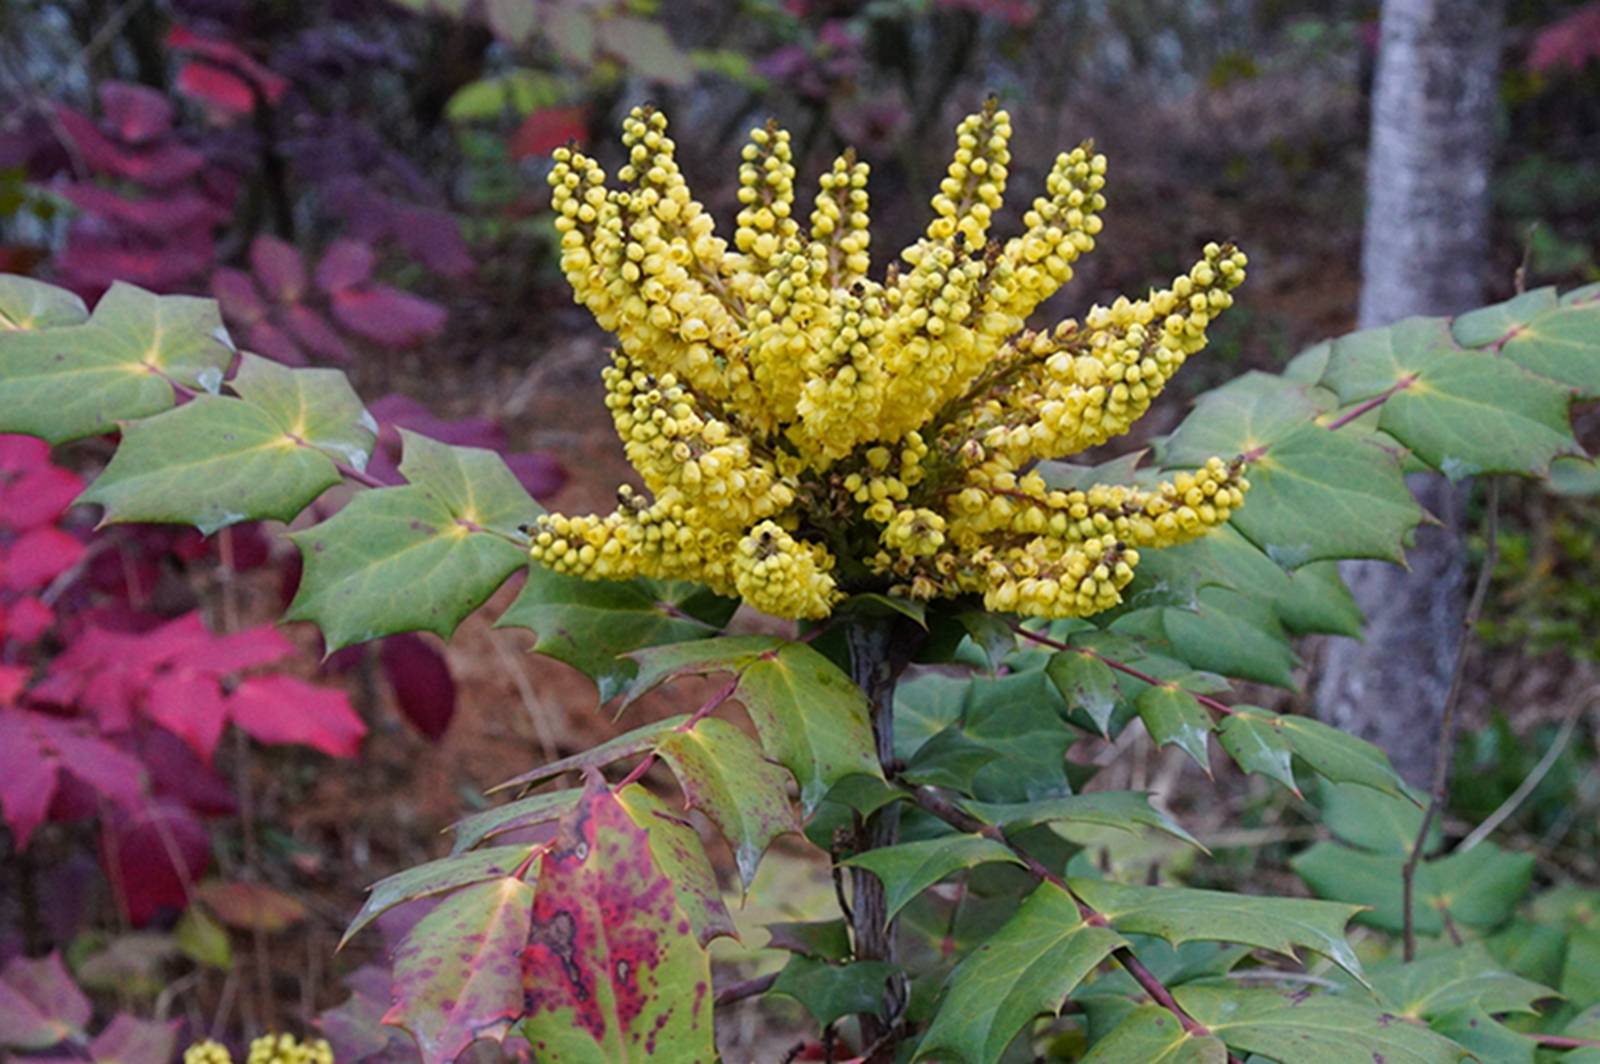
(725, 776)
(203, 940)
(1453, 979)
(637, 741)
(1463, 412)
(731, 654)
(26, 304)
(1495, 323)
(1312, 1028)
(1152, 1035)
(1488, 1039)
(1128, 811)
(589, 624)
(646, 49)
(513, 816)
(681, 856)
(1172, 716)
(1025, 969)
(1318, 495)
(612, 971)
(1374, 820)
(991, 634)
(1251, 737)
(811, 718)
(1563, 344)
(457, 973)
(1234, 635)
(1087, 683)
(436, 877)
(910, 868)
(1249, 414)
(82, 380)
(1318, 602)
(1339, 756)
(830, 992)
(216, 461)
(1178, 915)
(1580, 972)
(828, 940)
(1478, 888)
(414, 558)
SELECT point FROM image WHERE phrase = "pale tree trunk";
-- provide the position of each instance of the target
(1424, 251)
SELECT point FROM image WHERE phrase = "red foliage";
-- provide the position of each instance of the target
(1569, 42)
(547, 129)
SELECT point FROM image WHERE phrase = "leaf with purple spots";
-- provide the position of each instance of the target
(436, 877)
(612, 971)
(681, 856)
(724, 774)
(458, 974)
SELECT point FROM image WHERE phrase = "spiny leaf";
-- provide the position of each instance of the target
(1021, 971)
(627, 744)
(612, 971)
(217, 461)
(1454, 979)
(69, 381)
(513, 816)
(1256, 745)
(1555, 339)
(830, 992)
(1310, 1028)
(1478, 888)
(457, 973)
(1152, 1035)
(1172, 716)
(724, 775)
(1250, 414)
(27, 304)
(910, 868)
(1232, 634)
(1261, 736)
(590, 624)
(414, 558)
(1087, 683)
(436, 877)
(1124, 810)
(731, 654)
(1462, 411)
(1180, 915)
(681, 856)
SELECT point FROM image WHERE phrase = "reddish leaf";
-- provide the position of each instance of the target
(127, 1040)
(541, 474)
(251, 906)
(283, 709)
(387, 315)
(395, 412)
(240, 299)
(159, 165)
(13, 678)
(547, 129)
(189, 705)
(176, 773)
(266, 338)
(222, 90)
(434, 239)
(40, 1005)
(456, 975)
(95, 259)
(154, 854)
(247, 649)
(39, 556)
(313, 331)
(278, 269)
(355, 1029)
(229, 58)
(1569, 42)
(36, 497)
(27, 620)
(35, 749)
(423, 687)
(612, 970)
(135, 114)
(345, 264)
(158, 216)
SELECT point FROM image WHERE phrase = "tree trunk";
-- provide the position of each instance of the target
(1424, 251)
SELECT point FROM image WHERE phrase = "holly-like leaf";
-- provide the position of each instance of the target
(1543, 336)
(1123, 810)
(681, 856)
(70, 381)
(1152, 1035)
(1172, 716)
(513, 816)
(1251, 738)
(589, 624)
(414, 558)
(457, 973)
(910, 868)
(1087, 683)
(724, 775)
(1462, 411)
(1375, 820)
(1246, 416)
(1455, 979)
(1025, 969)
(1178, 915)
(1310, 1028)
(1233, 635)
(437, 877)
(1478, 888)
(832, 991)
(1260, 737)
(612, 971)
(40, 1005)
(29, 304)
(627, 744)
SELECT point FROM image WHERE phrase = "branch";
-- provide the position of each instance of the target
(1372, 404)
(1447, 721)
(1127, 670)
(722, 695)
(748, 989)
(933, 802)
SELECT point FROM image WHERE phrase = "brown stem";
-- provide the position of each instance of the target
(880, 649)
(1127, 670)
(748, 989)
(1447, 721)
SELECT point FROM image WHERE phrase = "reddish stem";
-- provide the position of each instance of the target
(1128, 670)
(1371, 404)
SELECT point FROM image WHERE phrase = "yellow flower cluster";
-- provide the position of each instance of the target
(268, 1049)
(804, 430)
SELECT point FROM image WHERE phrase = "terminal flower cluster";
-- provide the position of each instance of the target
(805, 430)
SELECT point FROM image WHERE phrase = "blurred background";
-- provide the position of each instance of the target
(360, 183)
